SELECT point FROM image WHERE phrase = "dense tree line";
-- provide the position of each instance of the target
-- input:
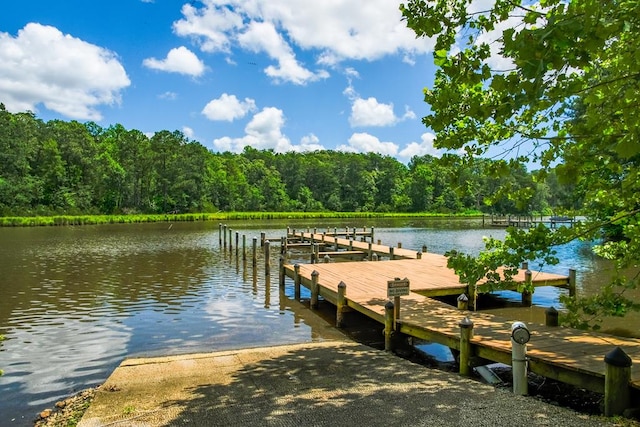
(72, 168)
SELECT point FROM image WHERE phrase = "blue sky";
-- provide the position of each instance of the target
(280, 74)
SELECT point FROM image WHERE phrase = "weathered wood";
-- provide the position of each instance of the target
(551, 317)
(616, 382)
(388, 325)
(572, 282)
(220, 234)
(281, 275)
(463, 302)
(314, 289)
(466, 335)
(254, 255)
(267, 258)
(341, 304)
(527, 297)
(297, 279)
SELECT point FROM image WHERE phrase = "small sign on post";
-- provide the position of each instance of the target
(397, 287)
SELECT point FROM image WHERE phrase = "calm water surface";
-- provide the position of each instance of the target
(75, 301)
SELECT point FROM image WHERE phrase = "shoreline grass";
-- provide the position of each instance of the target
(74, 220)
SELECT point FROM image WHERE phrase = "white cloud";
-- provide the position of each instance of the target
(370, 112)
(66, 74)
(264, 132)
(171, 96)
(332, 30)
(179, 60)
(422, 148)
(228, 108)
(366, 143)
(188, 132)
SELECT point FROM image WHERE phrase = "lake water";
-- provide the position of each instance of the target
(76, 301)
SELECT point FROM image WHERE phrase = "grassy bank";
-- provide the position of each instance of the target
(61, 220)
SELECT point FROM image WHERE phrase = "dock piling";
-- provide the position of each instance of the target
(463, 302)
(255, 252)
(341, 304)
(297, 280)
(526, 293)
(281, 271)
(267, 258)
(572, 282)
(314, 289)
(389, 311)
(551, 317)
(466, 334)
(616, 382)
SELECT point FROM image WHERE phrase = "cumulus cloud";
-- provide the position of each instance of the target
(41, 65)
(264, 132)
(188, 132)
(228, 108)
(422, 148)
(367, 143)
(280, 27)
(179, 60)
(369, 112)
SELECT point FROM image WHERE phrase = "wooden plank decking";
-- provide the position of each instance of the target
(431, 277)
(568, 355)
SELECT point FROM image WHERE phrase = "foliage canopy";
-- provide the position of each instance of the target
(556, 82)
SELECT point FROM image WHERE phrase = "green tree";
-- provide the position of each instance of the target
(552, 82)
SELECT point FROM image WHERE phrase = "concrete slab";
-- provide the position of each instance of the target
(332, 383)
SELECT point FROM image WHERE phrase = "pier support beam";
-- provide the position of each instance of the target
(341, 304)
(551, 317)
(466, 334)
(389, 311)
(297, 280)
(267, 258)
(254, 255)
(527, 297)
(616, 382)
(281, 271)
(314, 289)
(572, 282)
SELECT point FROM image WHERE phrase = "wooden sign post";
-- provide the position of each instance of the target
(397, 288)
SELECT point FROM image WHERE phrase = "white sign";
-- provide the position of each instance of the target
(397, 287)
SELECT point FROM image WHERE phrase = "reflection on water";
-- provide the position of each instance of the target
(77, 300)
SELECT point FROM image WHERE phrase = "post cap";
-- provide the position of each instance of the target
(315, 273)
(342, 285)
(463, 297)
(617, 357)
(466, 323)
(389, 305)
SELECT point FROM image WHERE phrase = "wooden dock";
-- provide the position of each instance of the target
(567, 355)
(431, 277)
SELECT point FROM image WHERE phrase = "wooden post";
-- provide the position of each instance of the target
(389, 311)
(379, 242)
(351, 244)
(230, 240)
(399, 245)
(335, 243)
(288, 231)
(283, 245)
(419, 255)
(372, 235)
(281, 271)
(263, 237)
(314, 289)
(341, 305)
(525, 265)
(370, 251)
(374, 257)
(396, 311)
(463, 302)
(526, 294)
(296, 281)
(267, 258)
(244, 247)
(424, 249)
(616, 382)
(551, 317)
(572, 282)
(391, 257)
(472, 292)
(466, 334)
(224, 235)
(327, 259)
(255, 252)
(220, 233)
(237, 244)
